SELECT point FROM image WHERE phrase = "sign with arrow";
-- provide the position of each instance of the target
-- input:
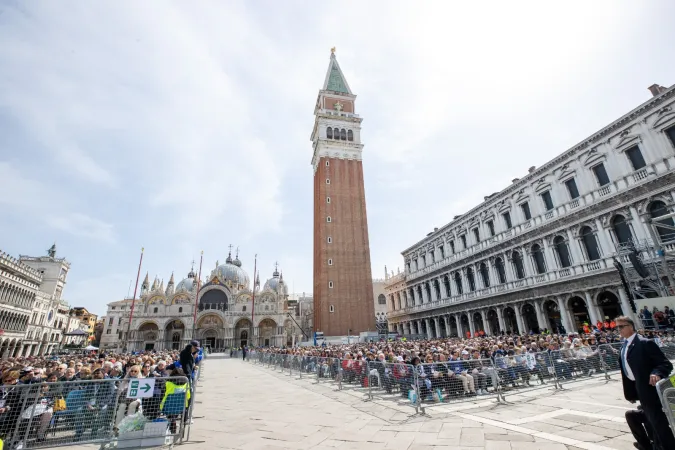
(141, 388)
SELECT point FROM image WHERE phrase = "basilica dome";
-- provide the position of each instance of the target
(188, 284)
(232, 273)
(276, 284)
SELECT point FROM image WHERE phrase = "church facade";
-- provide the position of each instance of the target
(220, 314)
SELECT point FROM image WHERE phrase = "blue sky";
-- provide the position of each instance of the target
(184, 127)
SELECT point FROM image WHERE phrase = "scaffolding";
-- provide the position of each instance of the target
(646, 265)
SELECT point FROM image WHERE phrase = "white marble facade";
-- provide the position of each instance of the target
(539, 254)
(163, 317)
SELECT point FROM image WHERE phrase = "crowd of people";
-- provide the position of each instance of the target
(443, 369)
(36, 391)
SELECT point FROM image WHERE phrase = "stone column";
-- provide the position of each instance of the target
(574, 249)
(500, 317)
(486, 324)
(465, 281)
(517, 307)
(529, 264)
(460, 327)
(541, 319)
(549, 257)
(437, 327)
(429, 333)
(432, 284)
(509, 269)
(472, 326)
(625, 305)
(641, 234)
(419, 327)
(605, 242)
(592, 309)
(565, 314)
(446, 322)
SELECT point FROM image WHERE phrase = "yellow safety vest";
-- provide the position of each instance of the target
(172, 388)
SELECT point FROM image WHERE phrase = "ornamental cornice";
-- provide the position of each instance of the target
(596, 138)
(638, 195)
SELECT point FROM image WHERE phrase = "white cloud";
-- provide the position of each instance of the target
(81, 225)
(182, 128)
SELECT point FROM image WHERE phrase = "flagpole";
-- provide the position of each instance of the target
(255, 266)
(133, 301)
(199, 282)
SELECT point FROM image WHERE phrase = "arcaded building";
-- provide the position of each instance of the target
(540, 254)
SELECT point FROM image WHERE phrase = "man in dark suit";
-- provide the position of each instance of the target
(643, 364)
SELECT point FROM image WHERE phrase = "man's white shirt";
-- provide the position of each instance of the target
(626, 367)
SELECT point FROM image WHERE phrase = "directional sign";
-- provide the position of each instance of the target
(141, 388)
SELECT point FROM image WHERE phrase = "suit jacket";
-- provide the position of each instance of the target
(644, 358)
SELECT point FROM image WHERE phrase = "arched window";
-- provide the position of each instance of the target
(470, 278)
(243, 308)
(381, 299)
(446, 283)
(658, 209)
(437, 289)
(621, 230)
(538, 257)
(562, 251)
(518, 265)
(329, 133)
(485, 274)
(501, 272)
(154, 310)
(350, 135)
(458, 283)
(180, 310)
(343, 134)
(590, 243)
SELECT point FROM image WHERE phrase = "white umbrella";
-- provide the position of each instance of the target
(90, 348)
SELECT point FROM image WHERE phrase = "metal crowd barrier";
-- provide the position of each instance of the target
(443, 382)
(666, 392)
(134, 413)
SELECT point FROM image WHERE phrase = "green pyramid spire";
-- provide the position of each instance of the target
(335, 81)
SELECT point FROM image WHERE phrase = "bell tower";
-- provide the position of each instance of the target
(343, 285)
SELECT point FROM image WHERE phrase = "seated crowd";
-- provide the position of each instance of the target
(450, 368)
(54, 393)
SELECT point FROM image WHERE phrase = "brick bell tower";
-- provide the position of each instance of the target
(343, 285)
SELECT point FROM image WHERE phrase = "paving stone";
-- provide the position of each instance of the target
(618, 444)
(510, 437)
(497, 445)
(602, 431)
(472, 437)
(543, 426)
(581, 436)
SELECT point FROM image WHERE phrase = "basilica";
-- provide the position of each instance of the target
(223, 312)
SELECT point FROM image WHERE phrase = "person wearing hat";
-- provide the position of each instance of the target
(187, 360)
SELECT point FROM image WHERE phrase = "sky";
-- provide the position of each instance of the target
(184, 127)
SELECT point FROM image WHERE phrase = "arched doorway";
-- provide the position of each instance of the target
(149, 334)
(241, 332)
(210, 338)
(466, 329)
(478, 322)
(553, 318)
(579, 313)
(510, 321)
(452, 322)
(530, 318)
(267, 329)
(175, 330)
(210, 327)
(609, 305)
(493, 320)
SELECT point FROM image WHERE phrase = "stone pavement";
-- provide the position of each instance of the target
(246, 406)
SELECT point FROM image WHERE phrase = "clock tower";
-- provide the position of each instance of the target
(343, 286)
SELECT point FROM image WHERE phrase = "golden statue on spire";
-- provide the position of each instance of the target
(332, 51)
